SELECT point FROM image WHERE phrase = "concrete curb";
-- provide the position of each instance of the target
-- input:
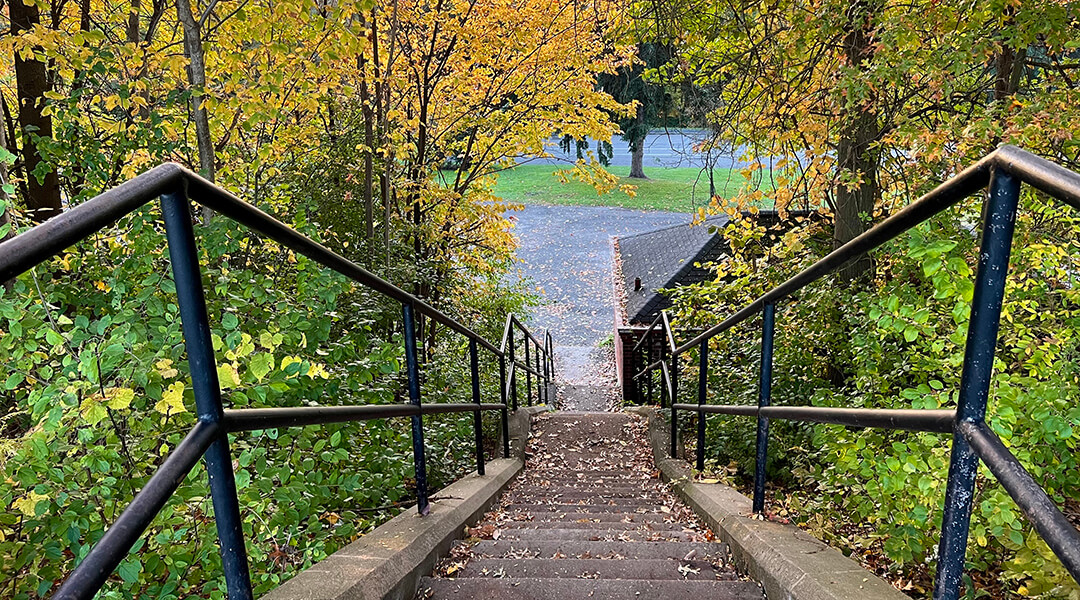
(389, 562)
(790, 563)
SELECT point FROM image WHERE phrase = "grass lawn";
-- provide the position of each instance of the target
(680, 189)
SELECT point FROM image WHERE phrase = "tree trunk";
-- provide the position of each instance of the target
(132, 29)
(196, 71)
(856, 159)
(369, 166)
(637, 146)
(42, 195)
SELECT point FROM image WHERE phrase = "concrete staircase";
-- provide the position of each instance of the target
(588, 519)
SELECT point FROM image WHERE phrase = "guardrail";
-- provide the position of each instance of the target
(1002, 172)
(176, 187)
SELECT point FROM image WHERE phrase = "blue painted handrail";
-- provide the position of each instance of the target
(208, 439)
(1002, 171)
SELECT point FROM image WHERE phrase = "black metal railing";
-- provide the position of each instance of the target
(1002, 172)
(176, 187)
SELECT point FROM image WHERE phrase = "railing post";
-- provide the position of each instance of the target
(413, 370)
(474, 363)
(184, 259)
(703, 384)
(768, 318)
(673, 372)
(505, 417)
(663, 384)
(648, 374)
(547, 374)
(513, 372)
(999, 218)
(528, 369)
(550, 344)
(539, 379)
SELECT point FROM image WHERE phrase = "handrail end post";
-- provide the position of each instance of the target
(703, 384)
(413, 369)
(195, 324)
(478, 421)
(999, 220)
(768, 327)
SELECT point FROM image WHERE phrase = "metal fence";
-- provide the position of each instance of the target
(1003, 172)
(208, 439)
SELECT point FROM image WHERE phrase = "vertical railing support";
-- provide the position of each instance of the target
(703, 384)
(547, 374)
(504, 411)
(999, 218)
(648, 374)
(183, 256)
(513, 372)
(673, 372)
(478, 423)
(550, 362)
(413, 369)
(528, 370)
(768, 319)
(663, 384)
(540, 399)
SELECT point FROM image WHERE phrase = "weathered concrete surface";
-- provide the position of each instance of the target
(389, 562)
(536, 546)
(790, 563)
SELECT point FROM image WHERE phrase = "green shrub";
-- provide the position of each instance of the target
(897, 342)
(97, 392)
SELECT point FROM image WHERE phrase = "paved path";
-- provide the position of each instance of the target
(588, 518)
(566, 251)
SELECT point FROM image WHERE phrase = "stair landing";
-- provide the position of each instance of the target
(589, 518)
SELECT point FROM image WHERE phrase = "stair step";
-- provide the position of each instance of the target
(583, 416)
(566, 496)
(603, 475)
(648, 485)
(595, 589)
(586, 524)
(594, 535)
(594, 569)
(600, 517)
(587, 549)
(584, 499)
(583, 507)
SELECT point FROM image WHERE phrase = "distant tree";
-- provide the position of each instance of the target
(630, 84)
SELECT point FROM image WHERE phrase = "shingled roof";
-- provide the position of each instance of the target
(666, 258)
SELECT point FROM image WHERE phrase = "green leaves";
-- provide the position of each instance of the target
(92, 423)
(261, 365)
(898, 342)
(229, 321)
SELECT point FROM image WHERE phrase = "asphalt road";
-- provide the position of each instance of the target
(663, 148)
(566, 251)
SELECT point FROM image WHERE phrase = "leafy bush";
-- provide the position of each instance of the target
(898, 342)
(97, 393)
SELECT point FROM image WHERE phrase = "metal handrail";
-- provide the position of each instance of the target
(1002, 171)
(508, 347)
(176, 187)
